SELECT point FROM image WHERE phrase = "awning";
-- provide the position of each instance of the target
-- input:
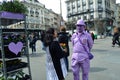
(10, 15)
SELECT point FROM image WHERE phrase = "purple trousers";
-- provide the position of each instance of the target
(85, 67)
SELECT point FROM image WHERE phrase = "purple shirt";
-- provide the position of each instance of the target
(79, 52)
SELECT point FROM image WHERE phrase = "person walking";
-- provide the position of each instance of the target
(42, 37)
(80, 58)
(115, 39)
(63, 38)
(93, 36)
(32, 42)
(56, 69)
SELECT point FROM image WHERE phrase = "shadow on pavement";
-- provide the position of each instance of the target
(99, 50)
(97, 69)
(93, 69)
(36, 55)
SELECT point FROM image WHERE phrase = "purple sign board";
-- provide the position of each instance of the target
(15, 48)
(10, 15)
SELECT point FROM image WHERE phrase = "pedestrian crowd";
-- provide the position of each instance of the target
(56, 46)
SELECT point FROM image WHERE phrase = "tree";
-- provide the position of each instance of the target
(13, 6)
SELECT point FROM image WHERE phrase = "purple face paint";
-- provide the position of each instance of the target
(80, 28)
(80, 25)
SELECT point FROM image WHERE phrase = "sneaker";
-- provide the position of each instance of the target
(113, 45)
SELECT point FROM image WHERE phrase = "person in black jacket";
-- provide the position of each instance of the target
(115, 39)
(54, 55)
(64, 38)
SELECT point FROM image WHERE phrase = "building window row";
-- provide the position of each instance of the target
(34, 13)
(78, 7)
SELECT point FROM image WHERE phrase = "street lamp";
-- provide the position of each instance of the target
(60, 13)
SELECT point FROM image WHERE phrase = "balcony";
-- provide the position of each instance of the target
(100, 9)
(91, 10)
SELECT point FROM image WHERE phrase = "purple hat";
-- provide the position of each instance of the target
(80, 22)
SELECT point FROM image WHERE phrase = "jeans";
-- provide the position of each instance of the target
(66, 63)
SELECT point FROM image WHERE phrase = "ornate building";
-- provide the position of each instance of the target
(118, 15)
(96, 13)
(35, 15)
(40, 17)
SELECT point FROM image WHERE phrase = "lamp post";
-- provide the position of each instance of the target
(60, 12)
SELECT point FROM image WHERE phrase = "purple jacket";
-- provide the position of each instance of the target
(79, 52)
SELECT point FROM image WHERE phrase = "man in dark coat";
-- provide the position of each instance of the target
(64, 38)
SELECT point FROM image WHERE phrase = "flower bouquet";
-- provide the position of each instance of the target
(63, 45)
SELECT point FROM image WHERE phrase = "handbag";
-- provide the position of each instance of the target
(89, 53)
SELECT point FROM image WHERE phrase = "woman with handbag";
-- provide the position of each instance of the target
(82, 44)
(55, 71)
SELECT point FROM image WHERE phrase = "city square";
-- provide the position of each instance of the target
(25, 50)
(104, 66)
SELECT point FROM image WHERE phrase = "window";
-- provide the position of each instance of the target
(79, 17)
(85, 17)
(68, 8)
(100, 15)
(91, 1)
(84, 8)
(99, 1)
(91, 6)
(74, 11)
(91, 16)
(36, 13)
(99, 6)
(31, 12)
(73, 5)
(78, 3)
(79, 9)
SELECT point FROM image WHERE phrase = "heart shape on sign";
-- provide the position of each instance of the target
(15, 48)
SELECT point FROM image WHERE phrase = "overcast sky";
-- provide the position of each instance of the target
(55, 5)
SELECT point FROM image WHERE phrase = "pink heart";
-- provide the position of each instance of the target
(15, 48)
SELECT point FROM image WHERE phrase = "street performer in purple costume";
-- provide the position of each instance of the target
(80, 57)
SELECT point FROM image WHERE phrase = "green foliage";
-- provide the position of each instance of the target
(2, 78)
(13, 6)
